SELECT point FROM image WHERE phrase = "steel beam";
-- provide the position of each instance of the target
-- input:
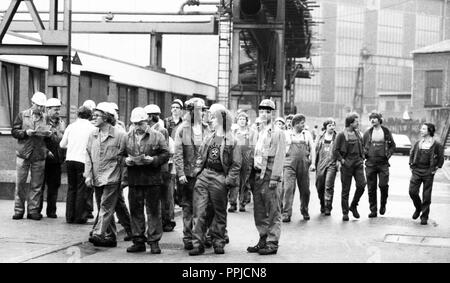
(37, 50)
(7, 18)
(271, 26)
(206, 27)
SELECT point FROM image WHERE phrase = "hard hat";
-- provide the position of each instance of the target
(267, 104)
(114, 106)
(179, 102)
(39, 98)
(195, 102)
(105, 107)
(217, 107)
(90, 104)
(152, 109)
(281, 120)
(138, 114)
(53, 102)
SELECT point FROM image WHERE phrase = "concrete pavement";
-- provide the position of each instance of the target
(394, 237)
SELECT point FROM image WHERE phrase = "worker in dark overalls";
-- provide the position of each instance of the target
(378, 148)
(348, 150)
(326, 166)
(299, 158)
(426, 157)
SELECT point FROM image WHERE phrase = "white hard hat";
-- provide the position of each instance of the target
(267, 104)
(90, 104)
(114, 106)
(152, 109)
(106, 108)
(217, 107)
(39, 98)
(53, 102)
(138, 114)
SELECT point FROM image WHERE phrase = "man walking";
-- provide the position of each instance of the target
(29, 129)
(426, 157)
(103, 171)
(378, 148)
(270, 152)
(188, 138)
(55, 157)
(143, 177)
(348, 150)
(301, 155)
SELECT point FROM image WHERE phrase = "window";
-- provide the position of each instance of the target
(433, 88)
(428, 29)
(390, 33)
(127, 101)
(36, 81)
(7, 74)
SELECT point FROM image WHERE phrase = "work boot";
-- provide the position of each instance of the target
(232, 208)
(268, 250)
(327, 211)
(52, 215)
(168, 227)
(137, 248)
(34, 216)
(17, 216)
(90, 216)
(373, 214)
(345, 217)
(242, 208)
(154, 248)
(197, 251)
(322, 209)
(382, 209)
(208, 242)
(188, 246)
(102, 242)
(219, 250)
(306, 216)
(416, 214)
(257, 247)
(354, 211)
(423, 221)
(286, 219)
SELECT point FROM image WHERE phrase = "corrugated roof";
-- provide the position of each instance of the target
(440, 47)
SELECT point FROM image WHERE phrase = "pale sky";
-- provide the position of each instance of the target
(191, 56)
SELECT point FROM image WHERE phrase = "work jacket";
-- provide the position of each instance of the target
(230, 157)
(341, 145)
(152, 144)
(52, 142)
(32, 148)
(436, 158)
(389, 144)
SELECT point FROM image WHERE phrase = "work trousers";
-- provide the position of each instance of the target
(296, 176)
(325, 185)
(121, 211)
(187, 193)
(167, 202)
(52, 179)
(382, 172)
(418, 177)
(352, 169)
(106, 198)
(150, 198)
(23, 167)
(77, 193)
(210, 192)
(267, 209)
(243, 189)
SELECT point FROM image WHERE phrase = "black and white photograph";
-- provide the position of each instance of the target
(219, 138)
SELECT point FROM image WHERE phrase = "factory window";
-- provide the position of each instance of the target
(7, 88)
(390, 33)
(36, 81)
(127, 101)
(433, 88)
(427, 30)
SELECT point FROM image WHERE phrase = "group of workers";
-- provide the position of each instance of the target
(205, 160)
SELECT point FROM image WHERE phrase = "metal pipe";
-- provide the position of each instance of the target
(191, 3)
(123, 13)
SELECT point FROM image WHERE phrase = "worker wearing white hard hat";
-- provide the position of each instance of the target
(103, 172)
(30, 128)
(120, 124)
(147, 152)
(269, 155)
(167, 203)
(55, 157)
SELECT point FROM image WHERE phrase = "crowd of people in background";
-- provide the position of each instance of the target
(205, 160)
